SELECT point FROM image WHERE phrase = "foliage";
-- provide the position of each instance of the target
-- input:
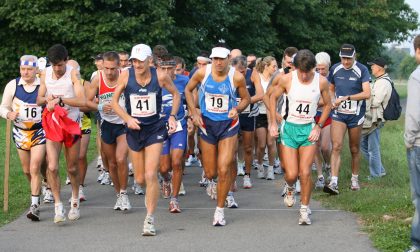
(407, 66)
(185, 26)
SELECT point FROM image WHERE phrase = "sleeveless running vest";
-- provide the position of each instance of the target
(302, 100)
(251, 109)
(24, 102)
(62, 87)
(217, 98)
(105, 95)
(180, 83)
(143, 102)
(261, 107)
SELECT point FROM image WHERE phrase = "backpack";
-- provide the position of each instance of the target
(393, 109)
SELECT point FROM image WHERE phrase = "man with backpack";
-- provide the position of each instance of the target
(381, 90)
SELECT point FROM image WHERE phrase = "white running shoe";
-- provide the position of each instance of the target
(209, 188)
(33, 213)
(130, 169)
(106, 179)
(204, 181)
(255, 164)
(166, 189)
(320, 183)
(101, 174)
(125, 202)
(283, 193)
(214, 191)
(60, 213)
(48, 196)
(270, 173)
(289, 198)
(265, 158)
(219, 218)
(355, 184)
(190, 160)
(261, 172)
(277, 169)
(74, 212)
(182, 191)
(247, 182)
(137, 189)
(304, 216)
(241, 171)
(68, 182)
(149, 226)
(117, 205)
(297, 186)
(82, 196)
(230, 202)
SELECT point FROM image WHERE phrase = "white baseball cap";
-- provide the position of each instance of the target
(140, 52)
(219, 52)
(42, 63)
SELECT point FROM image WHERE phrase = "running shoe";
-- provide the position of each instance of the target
(355, 184)
(241, 171)
(219, 218)
(68, 182)
(331, 188)
(174, 206)
(289, 198)
(255, 164)
(60, 213)
(125, 202)
(204, 181)
(283, 193)
(297, 186)
(117, 205)
(106, 179)
(182, 191)
(209, 188)
(166, 189)
(137, 189)
(130, 169)
(320, 183)
(270, 173)
(148, 226)
(313, 167)
(247, 182)
(101, 174)
(304, 217)
(261, 172)
(190, 160)
(277, 168)
(214, 191)
(74, 212)
(33, 213)
(82, 196)
(230, 202)
(48, 196)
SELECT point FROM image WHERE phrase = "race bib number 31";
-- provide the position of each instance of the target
(143, 105)
(348, 107)
(217, 103)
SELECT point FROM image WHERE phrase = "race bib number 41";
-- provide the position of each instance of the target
(143, 105)
(217, 103)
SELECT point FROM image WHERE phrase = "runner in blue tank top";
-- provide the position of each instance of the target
(172, 156)
(350, 84)
(142, 88)
(218, 122)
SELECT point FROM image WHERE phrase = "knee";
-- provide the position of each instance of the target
(121, 162)
(150, 176)
(248, 149)
(223, 175)
(354, 149)
(336, 147)
(176, 164)
(72, 169)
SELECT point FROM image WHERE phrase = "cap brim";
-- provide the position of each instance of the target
(138, 58)
(218, 55)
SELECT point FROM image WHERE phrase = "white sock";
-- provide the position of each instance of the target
(354, 176)
(334, 180)
(303, 206)
(35, 200)
(220, 209)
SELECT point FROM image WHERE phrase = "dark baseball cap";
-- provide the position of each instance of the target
(347, 51)
(378, 61)
(98, 57)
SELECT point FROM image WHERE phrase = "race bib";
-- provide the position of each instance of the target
(302, 111)
(247, 110)
(30, 112)
(347, 107)
(217, 103)
(178, 126)
(143, 105)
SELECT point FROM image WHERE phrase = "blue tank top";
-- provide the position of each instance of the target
(143, 103)
(217, 98)
(180, 83)
(25, 97)
(251, 110)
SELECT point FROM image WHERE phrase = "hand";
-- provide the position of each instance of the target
(51, 104)
(198, 121)
(233, 114)
(273, 129)
(12, 115)
(172, 125)
(190, 125)
(279, 118)
(107, 108)
(50, 98)
(315, 132)
(133, 123)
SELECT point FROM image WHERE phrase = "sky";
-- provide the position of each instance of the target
(415, 4)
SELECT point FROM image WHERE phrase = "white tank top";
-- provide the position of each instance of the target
(105, 95)
(303, 100)
(261, 106)
(62, 87)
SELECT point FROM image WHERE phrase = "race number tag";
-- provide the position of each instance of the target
(30, 112)
(347, 107)
(302, 110)
(217, 103)
(247, 110)
(178, 126)
(143, 105)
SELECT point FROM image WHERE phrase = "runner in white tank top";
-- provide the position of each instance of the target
(298, 133)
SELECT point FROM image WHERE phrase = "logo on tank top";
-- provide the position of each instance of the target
(223, 88)
(142, 90)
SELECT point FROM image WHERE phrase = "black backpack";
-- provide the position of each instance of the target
(393, 109)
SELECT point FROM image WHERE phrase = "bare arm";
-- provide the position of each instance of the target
(41, 99)
(91, 91)
(122, 82)
(240, 85)
(189, 89)
(365, 94)
(79, 100)
(259, 91)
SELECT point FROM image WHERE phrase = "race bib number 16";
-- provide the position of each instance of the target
(143, 105)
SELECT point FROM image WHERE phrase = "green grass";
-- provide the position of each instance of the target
(401, 87)
(389, 195)
(19, 189)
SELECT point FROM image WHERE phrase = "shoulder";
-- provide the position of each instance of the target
(182, 78)
(238, 77)
(416, 74)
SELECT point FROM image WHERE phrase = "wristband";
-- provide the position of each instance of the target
(348, 98)
(60, 102)
(173, 116)
(100, 106)
(320, 125)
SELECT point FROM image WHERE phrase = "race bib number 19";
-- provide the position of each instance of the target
(143, 105)
(217, 103)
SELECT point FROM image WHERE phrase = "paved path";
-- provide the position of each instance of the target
(262, 223)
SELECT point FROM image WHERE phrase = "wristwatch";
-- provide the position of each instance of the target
(348, 98)
(60, 102)
(320, 125)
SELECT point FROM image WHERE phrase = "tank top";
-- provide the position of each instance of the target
(24, 102)
(105, 95)
(143, 102)
(180, 83)
(251, 109)
(261, 106)
(216, 99)
(302, 100)
(62, 87)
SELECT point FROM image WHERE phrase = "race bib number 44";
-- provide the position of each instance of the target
(143, 105)
(303, 111)
(217, 103)
(30, 112)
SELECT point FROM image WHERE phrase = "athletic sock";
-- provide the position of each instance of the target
(320, 176)
(174, 198)
(220, 209)
(35, 200)
(123, 192)
(230, 193)
(354, 176)
(303, 206)
(334, 180)
(249, 174)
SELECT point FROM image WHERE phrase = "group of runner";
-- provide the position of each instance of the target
(154, 116)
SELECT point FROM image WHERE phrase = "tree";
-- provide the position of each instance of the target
(407, 66)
